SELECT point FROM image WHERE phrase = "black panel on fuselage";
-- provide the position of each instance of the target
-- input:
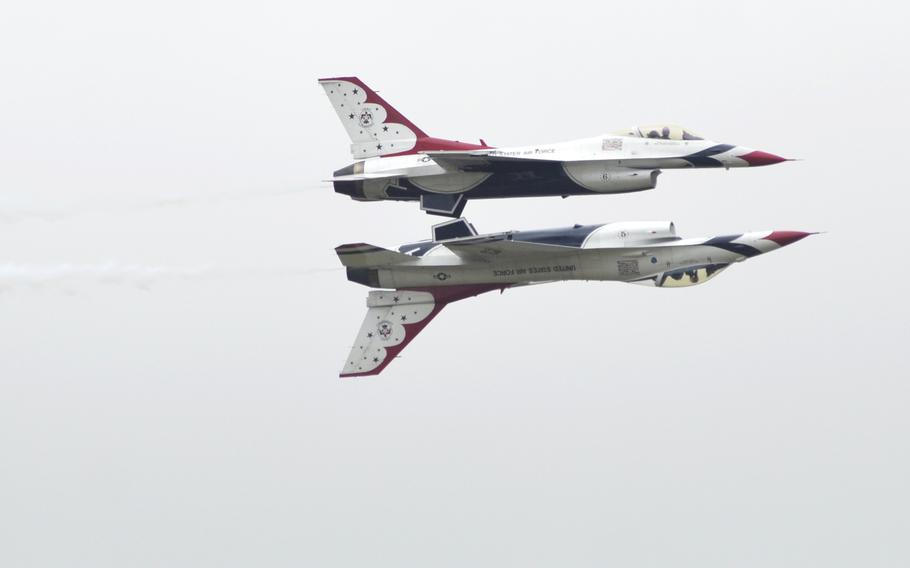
(543, 180)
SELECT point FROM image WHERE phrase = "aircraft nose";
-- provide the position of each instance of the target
(759, 158)
(784, 238)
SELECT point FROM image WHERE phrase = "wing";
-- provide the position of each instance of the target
(490, 161)
(488, 248)
(487, 161)
(394, 318)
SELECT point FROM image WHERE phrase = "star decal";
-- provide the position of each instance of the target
(395, 299)
(351, 115)
(375, 359)
(379, 146)
(370, 334)
(385, 128)
(403, 318)
(356, 91)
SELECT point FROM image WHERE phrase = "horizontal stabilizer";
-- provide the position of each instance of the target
(362, 177)
(359, 255)
(394, 318)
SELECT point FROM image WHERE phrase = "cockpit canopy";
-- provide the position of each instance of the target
(661, 131)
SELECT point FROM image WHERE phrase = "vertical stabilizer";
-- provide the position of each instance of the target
(374, 126)
(394, 318)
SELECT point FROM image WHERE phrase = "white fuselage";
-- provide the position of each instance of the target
(601, 164)
(603, 256)
(620, 151)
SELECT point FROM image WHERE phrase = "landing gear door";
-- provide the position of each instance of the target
(446, 205)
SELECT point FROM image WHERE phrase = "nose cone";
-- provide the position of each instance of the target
(784, 238)
(759, 158)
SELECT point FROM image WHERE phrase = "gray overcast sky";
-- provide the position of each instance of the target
(173, 319)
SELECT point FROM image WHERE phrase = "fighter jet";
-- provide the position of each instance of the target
(396, 160)
(421, 278)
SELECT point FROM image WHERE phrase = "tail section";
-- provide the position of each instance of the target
(363, 261)
(394, 318)
(375, 127)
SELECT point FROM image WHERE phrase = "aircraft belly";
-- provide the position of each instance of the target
(697, 254)
(450, 183)
(530, 185)
(673, 163)
(620, 264)
(631, 266)
(623, 264)
(490, 186)
(628, 264)
(529, 269)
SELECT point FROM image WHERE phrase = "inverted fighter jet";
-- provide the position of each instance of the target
(419, 279)
(396, 160)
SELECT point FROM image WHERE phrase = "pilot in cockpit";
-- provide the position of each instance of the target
(664, 133)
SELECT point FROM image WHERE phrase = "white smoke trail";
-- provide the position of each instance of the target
(68, 276)
(165, 202)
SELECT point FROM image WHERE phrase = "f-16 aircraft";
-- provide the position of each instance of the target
(457, 263)
(396, 160)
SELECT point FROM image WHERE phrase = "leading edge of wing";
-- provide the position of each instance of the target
(490, 248)
(484, 160)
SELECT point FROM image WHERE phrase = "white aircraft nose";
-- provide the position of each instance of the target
(767, 241)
